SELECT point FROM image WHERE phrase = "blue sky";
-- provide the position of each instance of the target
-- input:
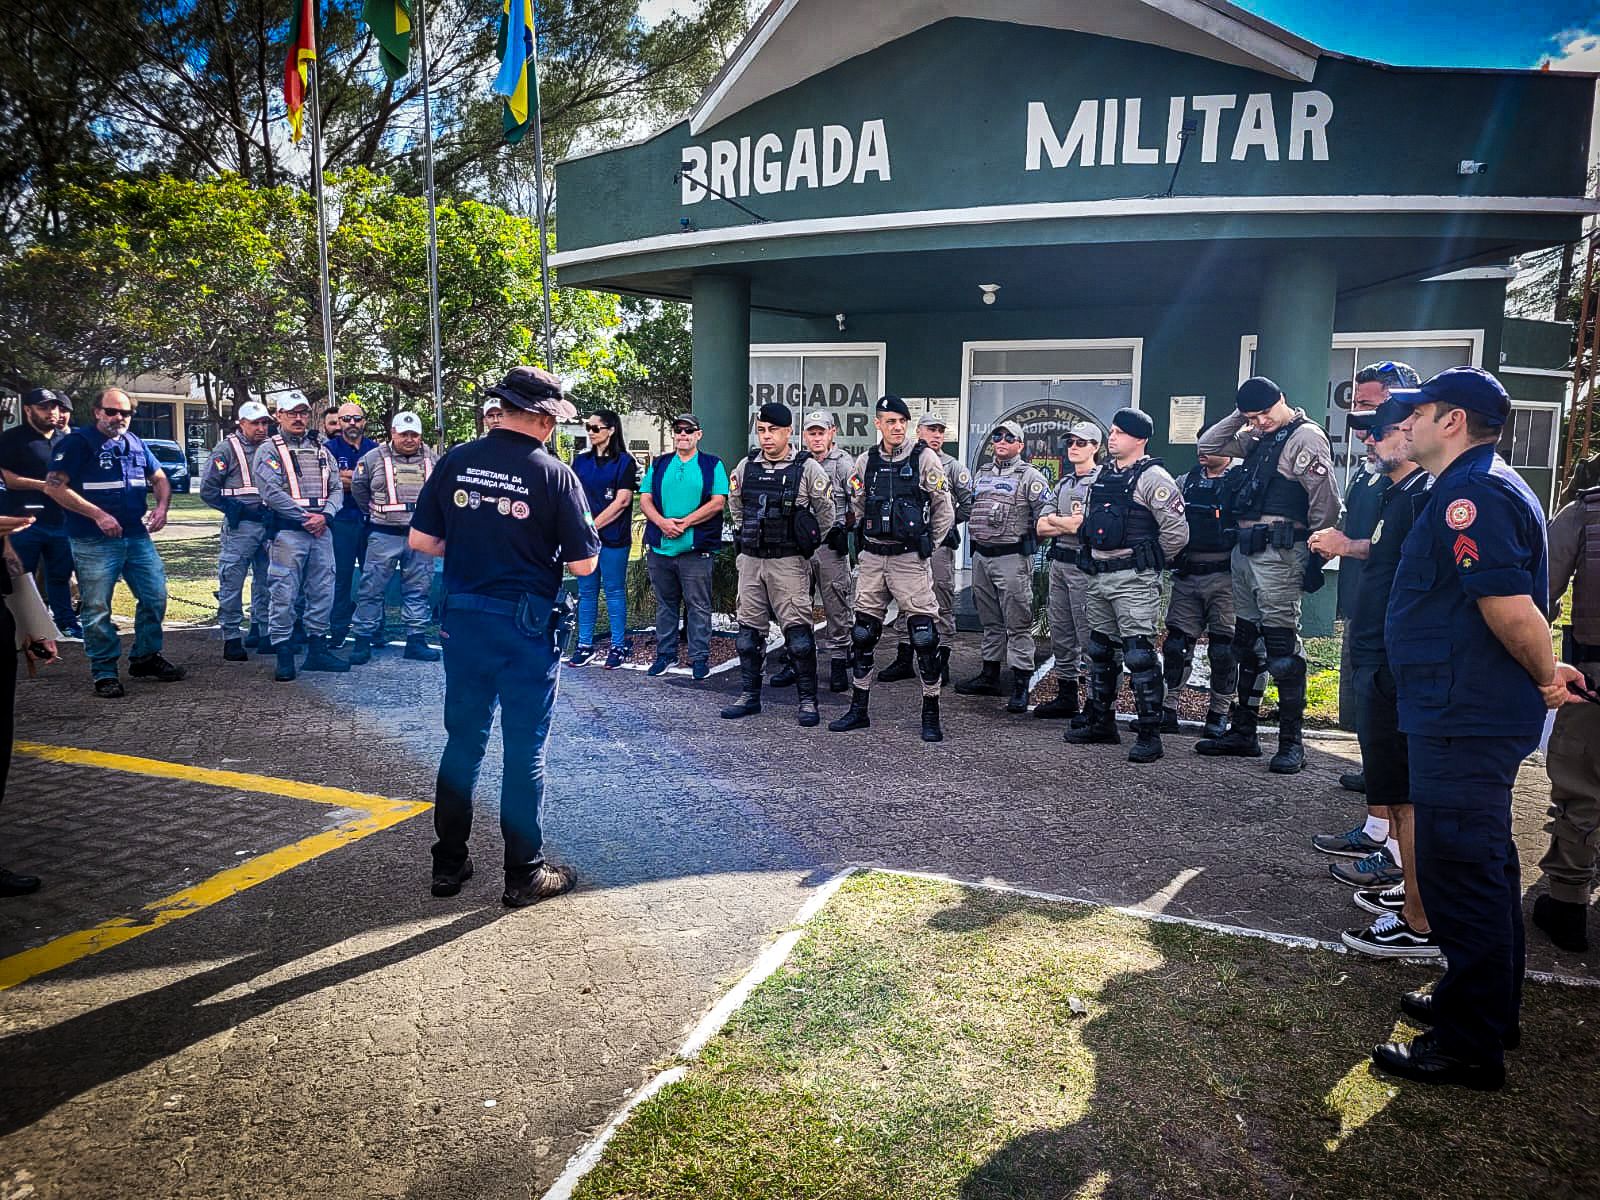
(1465, 33)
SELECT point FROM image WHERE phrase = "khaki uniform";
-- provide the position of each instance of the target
(830, 569)
(385, 486)
(1069, 623)
(297, 478)
(1127, 603)
(943, 562)
(1007, 501)
(778, 589)
(1573, 756)
(228, 484)
(906, 578)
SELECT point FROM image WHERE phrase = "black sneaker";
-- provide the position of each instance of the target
(1354, 781)
(581, 657)
(12, 884)
(233, 651)
(614, 658)
(659, 666)
(110, 688)
(700, 668)
(448, 883)
(1378, 901)
(1353, 844)
(1390, 937)
(153, 666)
(547, 883)
(1422, 1060)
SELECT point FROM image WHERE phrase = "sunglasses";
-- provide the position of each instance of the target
(1003, 436)
(599, 428)
(1075, 443)
(681, 429)
(117, 412)
(357, 417)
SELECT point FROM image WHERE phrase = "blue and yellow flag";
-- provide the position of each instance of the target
(518, 80)
(390, 22)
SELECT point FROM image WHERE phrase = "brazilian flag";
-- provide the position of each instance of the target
(390, 22)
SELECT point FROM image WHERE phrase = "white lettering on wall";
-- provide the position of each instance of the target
(1256, 128)
(1176, 108)
(872, 154)
(723, 157)
(1080, 137)
(1309, 114)
(838, 148)
(764, 165)
(692, 174)
(1108, 133)
(1132, 151)
(802, 160)
(1211, 108)
(768, 172)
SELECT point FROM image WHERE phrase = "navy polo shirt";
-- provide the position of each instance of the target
(510, 513)
(1396, 514)
(111, 473)
(602, 479)
(347, 456)
(26, 452)
(1363, 505)
(1481, 533)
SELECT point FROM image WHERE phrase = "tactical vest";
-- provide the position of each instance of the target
(305, 473)
(1586, 580)
(1262, 491)
(772, 510)
(1206, 504)
(1114, 520)
(247, 490)
(994, 510)
(896, 505)
(402, 484)
(1064, 546)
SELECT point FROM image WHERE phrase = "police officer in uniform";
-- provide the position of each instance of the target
(1133, 527)
(228, 485)
(1285, 489)
(385, 484)
(830, 565)
(505, 514)
(1469, 647)
(780, 503)
(931, 429)
(902, 507)
(1061, 519)
(1202, 594)
(1572, 759)
(299, 484)
(1008, 497)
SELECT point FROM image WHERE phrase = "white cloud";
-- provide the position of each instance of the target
(653, 12)
(1579, 50)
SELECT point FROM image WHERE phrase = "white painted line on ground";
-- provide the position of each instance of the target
(583, 1162)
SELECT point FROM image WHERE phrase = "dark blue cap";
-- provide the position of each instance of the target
(44, 397)
(1257, 394)
(776, 414)
(893, 404)
(1471, 388)
(1381, 419)
(1133, 423)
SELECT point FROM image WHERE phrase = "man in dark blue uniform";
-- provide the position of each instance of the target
(349, 527)
(505, 513)
(1469, 646)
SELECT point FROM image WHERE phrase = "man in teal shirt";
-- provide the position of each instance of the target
(683, 496)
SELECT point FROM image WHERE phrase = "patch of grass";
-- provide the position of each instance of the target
(191, 566)
(922, 1041)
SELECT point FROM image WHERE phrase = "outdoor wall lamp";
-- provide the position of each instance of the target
(988, 290)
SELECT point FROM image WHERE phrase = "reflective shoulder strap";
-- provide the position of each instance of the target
(291, 469)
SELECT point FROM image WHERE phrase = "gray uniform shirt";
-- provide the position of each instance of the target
(224, 476)
(960, 481)
(1158, 492)
(1566, 536)
(272, 478)
(1307, 460)
(1069, 498)
(369, 484)
(816, 490)
(839, 467)
(1006, 501)
(941, 509)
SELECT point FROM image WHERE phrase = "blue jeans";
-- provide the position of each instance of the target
(488, 662)
(683, 592)
(614, 572)
(38, 544)
(349, 548)
(100, 563)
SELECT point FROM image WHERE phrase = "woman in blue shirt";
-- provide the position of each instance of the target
(609, 476)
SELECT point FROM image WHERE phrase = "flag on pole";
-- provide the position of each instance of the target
(517, 81)
(390, 22)
(302, 51)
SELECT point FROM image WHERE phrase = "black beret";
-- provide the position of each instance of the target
(893, 404)
(1257, 394)
(776, 414)
(1133, 423)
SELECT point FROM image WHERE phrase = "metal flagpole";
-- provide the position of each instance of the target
(322, 227)
(433, 219)
(538, 183)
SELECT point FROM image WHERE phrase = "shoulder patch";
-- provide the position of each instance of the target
(855, 483)
(1036, 488)
(1460, 514)
(1302, 460)
(820, 486)
(1163, 494)
(964, 477)
(935, 480)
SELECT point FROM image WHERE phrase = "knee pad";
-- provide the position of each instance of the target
(1102, 649)
(923, 635)
(864, 634)
(1245, 637)
(1283, 664)
(1139, 655)
(1222, 658)
(749, 641)
(800, 640)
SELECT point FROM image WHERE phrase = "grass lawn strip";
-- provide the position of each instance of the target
(923, 1040)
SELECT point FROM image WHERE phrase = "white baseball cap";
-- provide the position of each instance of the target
(493, 404)
(252, 410)
(820, 420)
(406, 422)
(288, 402)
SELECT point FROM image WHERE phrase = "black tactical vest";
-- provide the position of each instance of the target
(1207, 504)
(1586, 579)
(896, 507)
(771, 499)
(1113, 520)
(1261, 491)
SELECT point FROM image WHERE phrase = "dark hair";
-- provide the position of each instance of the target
(1479, 427)
(1390, 374)
(608, 418)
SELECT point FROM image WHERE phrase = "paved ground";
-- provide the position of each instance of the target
(334, 1030)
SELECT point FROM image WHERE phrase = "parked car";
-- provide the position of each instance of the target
(170, 456)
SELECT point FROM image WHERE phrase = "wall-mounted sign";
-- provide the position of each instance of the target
(1186, 417)
(810, 158)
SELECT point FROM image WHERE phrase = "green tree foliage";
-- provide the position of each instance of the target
(657, 376)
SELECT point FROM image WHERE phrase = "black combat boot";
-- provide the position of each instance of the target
(930, 720)
(233, 650)
(1291, 756)
(786, 673)
(1564, 922)
(298, 638)
(1099, 728)
(839, 675)
(1018, 703)
(418, 650)
(285, 671)
(944, 666)
(1063, 704)
(855, 717)
(256, 639)
(1216, 724)
(361, 651)
(805, 682)
(749, 701)
(1238, 742)
(1169, 719)
(985, 683)
(1148, 746)
(320, 657)
(900, 668)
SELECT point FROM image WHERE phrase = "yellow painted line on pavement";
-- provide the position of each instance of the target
(378, 813)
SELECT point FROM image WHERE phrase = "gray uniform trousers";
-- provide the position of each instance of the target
(1573, 764)
(943, 564)
(1002, 588)
(830, 575)
(1203, 604)
(243, 552)
(301, 567)
(1069, 623)
(386, 554)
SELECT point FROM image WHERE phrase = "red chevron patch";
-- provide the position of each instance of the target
(1466, 551)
